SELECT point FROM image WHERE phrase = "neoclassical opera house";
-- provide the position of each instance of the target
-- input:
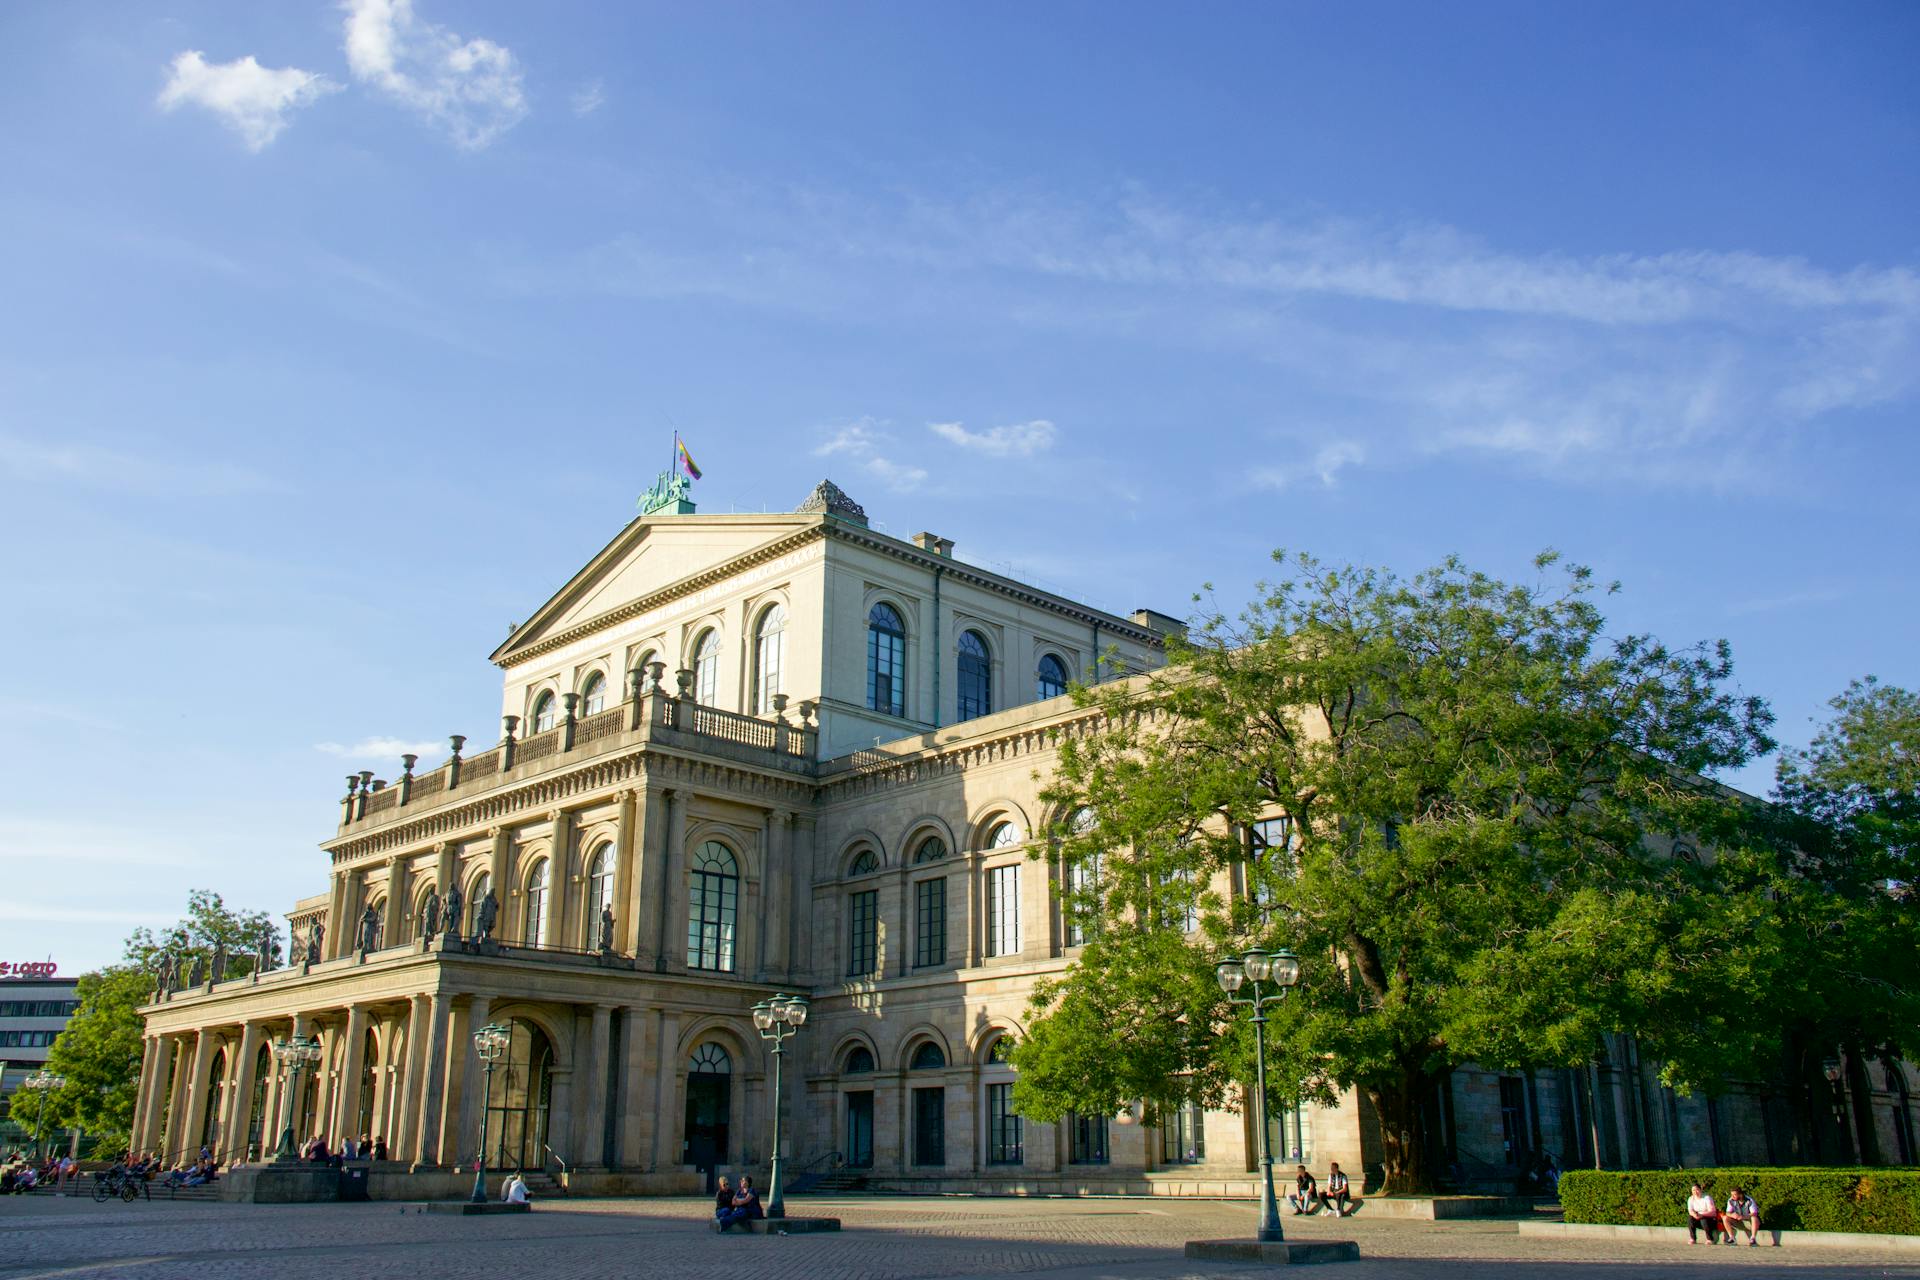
(745, 755)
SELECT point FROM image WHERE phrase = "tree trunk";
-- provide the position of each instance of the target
(1403, 1138)
(1860, 1086)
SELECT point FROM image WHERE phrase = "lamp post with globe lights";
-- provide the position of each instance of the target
(293, 1054)
(776, 1020)
(1267, 976)
(490, 1042)
(42, 1083)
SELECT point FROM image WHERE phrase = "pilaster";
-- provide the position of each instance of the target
(433, 1080)
(592, 1147)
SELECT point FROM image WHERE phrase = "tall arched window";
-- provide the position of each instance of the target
(713, 907)
(520, 1092)
(1051, 679)
(769, 656)
(600, 869)
(593, 695)
(706, 667)
(886, 660)
(535, 929)
(216, 1097)
(976, 676)
(543, 713)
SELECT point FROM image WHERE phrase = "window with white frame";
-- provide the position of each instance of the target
(543, 712)
(863, 934)
(706, 667)
(713, 907)
(535, 925)
(600, 869)
(976, 677)
(1003, 910)
(769, 655)
(886, 660)
(593, 695)
(1050, 679)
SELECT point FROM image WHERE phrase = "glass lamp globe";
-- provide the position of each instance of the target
(1259, 965)
(762, 1016)
(797, 1011)
(1230, 974)
(1285, 966)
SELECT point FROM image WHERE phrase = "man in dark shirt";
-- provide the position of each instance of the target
(746, 1205)
(1306, 1192)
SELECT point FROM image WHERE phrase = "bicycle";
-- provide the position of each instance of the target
(115, 1183)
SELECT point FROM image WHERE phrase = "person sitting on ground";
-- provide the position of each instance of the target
(515, 1192)
(1336, 1196)
(1701, 1214)
(746, 1205)
(1306, 1192)
(380, 1149)
(722, 1198)
(1740, 1212)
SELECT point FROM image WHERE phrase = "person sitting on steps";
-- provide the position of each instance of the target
(722, 1200)
(1740, 1212)
(1336, 1196)
(1701, 1213)
(1305, 1197)
(746, 1205)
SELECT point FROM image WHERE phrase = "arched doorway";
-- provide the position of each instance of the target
(361, 1125)
(257, 1105)
(709, 1090)
(518, 1100)
(216, 1095)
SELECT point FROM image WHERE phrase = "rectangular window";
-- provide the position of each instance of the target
(930, 1127)
(1083, 908)
(863, 934)
(1089, 1135)
(1183, 1136)
(1003, 910)
(930, 922)
(713, 907)
(1003, 1126)
(1269, 856)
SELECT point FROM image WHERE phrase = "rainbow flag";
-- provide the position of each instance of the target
(686, 459)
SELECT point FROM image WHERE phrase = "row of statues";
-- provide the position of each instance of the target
(171, 972)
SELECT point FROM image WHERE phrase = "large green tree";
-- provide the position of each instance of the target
(1482, 793)
(209, 924)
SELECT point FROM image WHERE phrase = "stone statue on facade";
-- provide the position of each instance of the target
(316, 935)
(455, 901)
(489, 915)
(369, 929)
(606, 929)
(219, 961)
(163, 972)
(430, 915)
(198, 974)
(263, 952)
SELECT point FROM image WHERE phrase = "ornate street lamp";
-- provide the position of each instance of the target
(1258, 970)
(777, 1019)
(292, 1055)
(42, 1083)
(489, 1042)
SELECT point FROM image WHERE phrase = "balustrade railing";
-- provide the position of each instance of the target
(602, 724)
(537, 747)
(425, 784)
(480, 766)
(385, 798)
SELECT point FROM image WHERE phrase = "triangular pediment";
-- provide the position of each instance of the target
(649, 557)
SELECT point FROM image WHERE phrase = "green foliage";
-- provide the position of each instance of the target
(1483, 789)
(1880, 1201)
(99, 1054)
(209, 923)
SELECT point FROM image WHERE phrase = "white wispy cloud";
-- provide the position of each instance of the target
(1015, 440)
(856, 438)
(901, 477)
(473, 89)
(100, 467)
(1325, 466)
(861, 441)
(377, 750)
(588, 98)
(254, 101)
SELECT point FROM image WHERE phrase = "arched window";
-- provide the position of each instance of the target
(362, 1122)
(600, 869)
(1000, 1049)
(1083, 900)
(886, 661)
(709, 1106)
(706, 667)
(710, 1060)
(593, 695)
(257, 1105)
(976, 677)
(859, 1061)
(543, 713)
(216, 1095)
(713, 907)
(1004, 835)
(1051, 679)
(769, 656)
(535, 928)
(932, 849)
(928, 1057)
(482, 884)
(1005, 1130)
(379, 906)
(863, 863)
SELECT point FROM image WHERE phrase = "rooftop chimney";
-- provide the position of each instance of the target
(935, 543)
(1161, 624)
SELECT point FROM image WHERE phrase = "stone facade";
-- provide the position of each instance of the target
(834, 793)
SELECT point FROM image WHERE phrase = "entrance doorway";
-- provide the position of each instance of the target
(709, 1089)
(860, 1130)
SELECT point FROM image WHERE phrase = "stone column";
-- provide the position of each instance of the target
(175, 1126)
(666, 1075)
(649, 909)
(433, 1080)
(800, 855)
(393, 928)
(559, 879)
(143, 1092)
(336, 918)
(627, 844)
(592, 1151)
(635, 1137)
(472, 1082)
(195, 1117)
(405, 1119)
(500, 868)
(660, 872)
(346, 1103)
(240, 1112)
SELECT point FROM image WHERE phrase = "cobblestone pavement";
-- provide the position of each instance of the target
(885, 1239)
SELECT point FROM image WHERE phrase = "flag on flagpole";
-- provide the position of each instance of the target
(686, 459)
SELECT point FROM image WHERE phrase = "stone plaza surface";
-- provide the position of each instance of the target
(885, 1238)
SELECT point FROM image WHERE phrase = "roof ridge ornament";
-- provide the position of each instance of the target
(830, 498)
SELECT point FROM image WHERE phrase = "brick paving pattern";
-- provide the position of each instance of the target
(885, 1239)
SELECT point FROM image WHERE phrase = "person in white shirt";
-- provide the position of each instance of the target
(1335, 1195)
(1740, 1212)
(515, 1192)
(1701, 1213)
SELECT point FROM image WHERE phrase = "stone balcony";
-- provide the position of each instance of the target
(650, 716)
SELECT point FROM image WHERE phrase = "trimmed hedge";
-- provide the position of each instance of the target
(1883, 1201)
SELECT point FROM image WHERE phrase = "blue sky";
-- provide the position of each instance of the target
(336, 337)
